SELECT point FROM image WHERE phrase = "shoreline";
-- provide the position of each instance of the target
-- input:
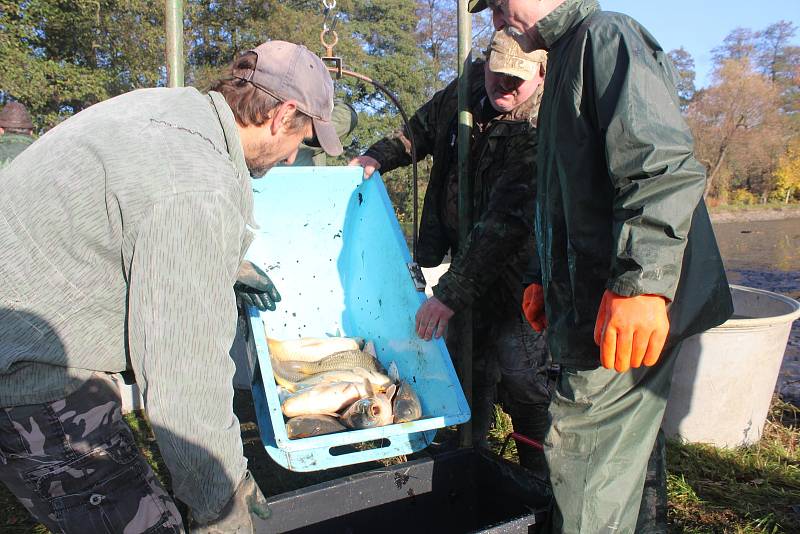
(754, 214)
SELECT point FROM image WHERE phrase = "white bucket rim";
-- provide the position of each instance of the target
(755, 322)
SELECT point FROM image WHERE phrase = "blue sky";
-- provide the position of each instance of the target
(700, 25)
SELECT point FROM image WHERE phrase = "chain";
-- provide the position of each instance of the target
(329, 27)
(331, 17)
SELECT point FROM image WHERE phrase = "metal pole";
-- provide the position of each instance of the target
(464, 199)
(174, 27)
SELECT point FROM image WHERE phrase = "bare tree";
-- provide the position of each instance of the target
(740, 103)
(772, 46)
(740, 43)
(684, 65)
(437, 35)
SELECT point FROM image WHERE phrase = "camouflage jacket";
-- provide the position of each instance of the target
(489, 264)
(11, 145)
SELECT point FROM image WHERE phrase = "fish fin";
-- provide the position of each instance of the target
(361, 342)
(289, 386)
(275, 348)
(369, 348)
(368, 388)
(394, 372)
(390, 391)
(283, 394)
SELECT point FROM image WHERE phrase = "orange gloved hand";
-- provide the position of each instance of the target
(631, 331)
(533, 307)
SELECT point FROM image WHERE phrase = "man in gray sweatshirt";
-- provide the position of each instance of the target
(122, 232)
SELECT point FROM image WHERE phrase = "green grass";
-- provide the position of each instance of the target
(746, 490)
(752, 490)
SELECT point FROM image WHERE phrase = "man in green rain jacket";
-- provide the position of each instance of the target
(629, 262)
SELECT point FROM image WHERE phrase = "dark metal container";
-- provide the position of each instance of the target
(454, 492)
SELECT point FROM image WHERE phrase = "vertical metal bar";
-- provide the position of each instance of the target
(174, 28)
(464, 198)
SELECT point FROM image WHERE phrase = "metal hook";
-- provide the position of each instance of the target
(329, 22)
(326, 44)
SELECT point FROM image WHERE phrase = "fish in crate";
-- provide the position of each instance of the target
(335, 384)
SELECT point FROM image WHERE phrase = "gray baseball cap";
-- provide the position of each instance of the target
(288, 71)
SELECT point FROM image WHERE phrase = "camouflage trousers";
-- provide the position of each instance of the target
(510, 365)
(74, 465)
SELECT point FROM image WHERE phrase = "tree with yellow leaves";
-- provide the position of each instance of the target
(788, 172)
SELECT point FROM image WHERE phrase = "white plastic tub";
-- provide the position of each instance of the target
(724, 378)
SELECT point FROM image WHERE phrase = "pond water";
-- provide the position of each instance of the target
(766, 255)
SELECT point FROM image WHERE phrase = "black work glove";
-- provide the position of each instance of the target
(255, 288)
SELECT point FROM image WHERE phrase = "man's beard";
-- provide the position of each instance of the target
(262, 162)
(258, 170)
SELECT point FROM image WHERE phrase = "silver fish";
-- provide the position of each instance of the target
(347, 359)
(311, 349)
(378, 381)
(322, 399)
(406, 405)
(372, 411)
(292, 379)
(284, 376)
(306, 426)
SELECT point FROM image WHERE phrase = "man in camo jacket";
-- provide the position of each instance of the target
(487, 268)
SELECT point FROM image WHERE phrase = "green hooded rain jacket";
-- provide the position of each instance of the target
(619, 192)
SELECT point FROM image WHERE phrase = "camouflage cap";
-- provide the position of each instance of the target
(506, 57)
(475, 6)
(15, 115)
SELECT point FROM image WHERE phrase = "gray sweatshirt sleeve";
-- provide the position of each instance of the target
(182, 321)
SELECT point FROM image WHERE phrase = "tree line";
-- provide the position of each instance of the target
(61, 56)
(746, 124)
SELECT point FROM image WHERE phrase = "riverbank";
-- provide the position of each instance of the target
(760, 212)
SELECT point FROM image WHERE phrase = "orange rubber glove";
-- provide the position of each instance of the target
(631, 331)
(533, 307)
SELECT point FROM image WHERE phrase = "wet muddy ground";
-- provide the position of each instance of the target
(766, 255)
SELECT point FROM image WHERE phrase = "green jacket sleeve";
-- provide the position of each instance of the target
(499, 234)
(394, 150)
(650, 156)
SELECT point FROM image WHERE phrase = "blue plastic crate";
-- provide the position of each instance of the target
(333, 247)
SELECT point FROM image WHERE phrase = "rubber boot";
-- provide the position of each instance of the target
(531, 420)
(653, 510)
(483, 400)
